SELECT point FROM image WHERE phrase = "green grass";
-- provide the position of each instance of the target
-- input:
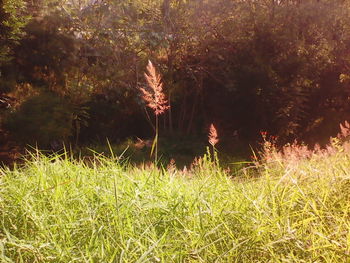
(54, 209)
(180, 148)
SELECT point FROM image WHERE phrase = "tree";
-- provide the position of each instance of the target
(12, 22)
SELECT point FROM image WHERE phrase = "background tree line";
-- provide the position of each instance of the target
(72, 68)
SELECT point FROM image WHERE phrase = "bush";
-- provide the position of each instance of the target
(113, 120)
(41, 120)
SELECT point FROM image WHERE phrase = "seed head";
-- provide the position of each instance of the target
(154, 98)
(213, 135)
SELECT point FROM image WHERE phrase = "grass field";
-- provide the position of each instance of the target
(286, 207)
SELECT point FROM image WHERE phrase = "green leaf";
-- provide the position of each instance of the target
(155, 141)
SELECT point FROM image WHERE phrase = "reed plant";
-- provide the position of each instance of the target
(155, 99)
(213, 139)
(57, 209)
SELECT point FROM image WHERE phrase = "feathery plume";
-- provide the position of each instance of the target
(155, 98)
(213, 135)
(344, 130)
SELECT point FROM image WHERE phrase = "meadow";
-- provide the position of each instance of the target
(162, 73)
(286, 205)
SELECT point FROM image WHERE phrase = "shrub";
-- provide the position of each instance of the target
(41, 120)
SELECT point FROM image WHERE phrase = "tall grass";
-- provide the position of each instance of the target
(55, 209)
(155, 99)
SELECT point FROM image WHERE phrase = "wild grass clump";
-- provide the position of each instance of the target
(55, 209)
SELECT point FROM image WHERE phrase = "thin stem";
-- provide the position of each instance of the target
(213, 157)
(156, 153)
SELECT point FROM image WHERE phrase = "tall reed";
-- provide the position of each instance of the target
(155, 99)
(213, 139)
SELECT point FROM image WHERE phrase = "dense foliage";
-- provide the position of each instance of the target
(279, 66)
(291, 206)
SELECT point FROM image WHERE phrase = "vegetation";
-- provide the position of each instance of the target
(73, 73)
(290, 206)
(246, 66)
(156, 101)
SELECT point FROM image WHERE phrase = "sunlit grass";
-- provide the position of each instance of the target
(55, 209)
